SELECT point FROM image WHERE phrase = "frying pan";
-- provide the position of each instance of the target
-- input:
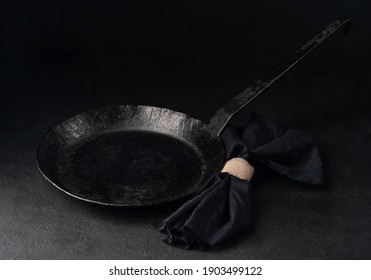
(133, 155)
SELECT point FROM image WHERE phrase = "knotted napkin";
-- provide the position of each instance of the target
(222, 208)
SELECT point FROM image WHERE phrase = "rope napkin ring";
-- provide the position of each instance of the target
(239, 168)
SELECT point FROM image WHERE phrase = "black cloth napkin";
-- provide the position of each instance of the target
(221, 210)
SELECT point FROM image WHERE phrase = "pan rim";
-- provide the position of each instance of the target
(96, 202)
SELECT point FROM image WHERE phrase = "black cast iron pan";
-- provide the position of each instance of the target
(132, 155)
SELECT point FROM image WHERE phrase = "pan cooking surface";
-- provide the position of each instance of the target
(129, 155)
(130, 166)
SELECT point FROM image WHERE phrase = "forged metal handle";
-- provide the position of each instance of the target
(225, 113)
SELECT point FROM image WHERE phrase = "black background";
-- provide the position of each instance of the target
(59, 58)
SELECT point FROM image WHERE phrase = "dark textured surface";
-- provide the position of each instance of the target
(130, 155)
(213, 53)
(291, 221)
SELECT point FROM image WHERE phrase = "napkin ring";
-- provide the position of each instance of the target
(239, 168)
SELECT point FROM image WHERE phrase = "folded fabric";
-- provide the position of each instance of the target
(221, 210)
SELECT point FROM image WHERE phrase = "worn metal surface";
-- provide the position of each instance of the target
(129, 155)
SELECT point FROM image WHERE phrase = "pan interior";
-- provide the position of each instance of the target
(129, 155)
(135, 166)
